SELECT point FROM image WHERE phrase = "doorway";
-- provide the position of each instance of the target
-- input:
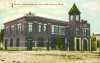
(29, 44)
(77, 44)
(85, 45)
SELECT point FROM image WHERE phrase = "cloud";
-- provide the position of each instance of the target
(92, 5)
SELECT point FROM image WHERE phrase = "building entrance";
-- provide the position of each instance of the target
(85, 45)
(77, 44)
(29, 44)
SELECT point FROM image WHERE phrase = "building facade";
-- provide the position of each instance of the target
(95, 41)
(35, 31)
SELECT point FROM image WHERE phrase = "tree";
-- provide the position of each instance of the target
(93, 43)
(1, 37)
(58, 42)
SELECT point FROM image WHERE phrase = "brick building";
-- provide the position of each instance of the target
(34, 31)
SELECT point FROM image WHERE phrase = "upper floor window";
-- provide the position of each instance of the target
(77, 17)
(11, 42)
(40, 27)
(30, 26)
(77, 31)
(52, 28)
(84, 31)
(12, 28)
(7, 29)
(71, 17)
(61, 29)
(44, 27)
(22, 27)
(87, 32)
(19, 27)
(57, 29)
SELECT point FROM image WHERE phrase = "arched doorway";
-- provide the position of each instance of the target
(85, 44)
(77, 44)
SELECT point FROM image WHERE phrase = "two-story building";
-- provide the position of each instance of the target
(35, 31)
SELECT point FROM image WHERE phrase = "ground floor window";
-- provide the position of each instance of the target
(6, 44)
(11, 42)
(40, 42)
(17, 42)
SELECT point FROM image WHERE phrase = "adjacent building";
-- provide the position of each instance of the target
(97, 41)
(36, 31)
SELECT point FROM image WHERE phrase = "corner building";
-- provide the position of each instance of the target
(35, 31)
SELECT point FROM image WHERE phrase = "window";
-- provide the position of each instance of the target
(61, 29)
(77, 17)
(52, 28)
(71, 17)
(19, 27)
(22, 27)
(55, 29)
(40, 27)
(77, 31)
(84, 32)
(30, 26)
(7, 29)
(11, 42)
(12, 28)
(44, 27)
(87, 32)
(17, 42)
(15, 28)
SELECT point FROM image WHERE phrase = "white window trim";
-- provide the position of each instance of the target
(44, 27)
(19, 27)
(40, 27)
(77, 17)
(30, 26)
(71, 17)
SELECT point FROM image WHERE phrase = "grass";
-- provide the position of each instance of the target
(24, 49)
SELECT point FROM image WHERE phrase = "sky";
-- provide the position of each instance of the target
(90, 10)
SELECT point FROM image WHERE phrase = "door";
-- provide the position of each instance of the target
(77, 45)
(29, 44)
(85, 45)
(5, 44)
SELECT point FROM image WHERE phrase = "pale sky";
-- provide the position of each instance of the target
(90, 10)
